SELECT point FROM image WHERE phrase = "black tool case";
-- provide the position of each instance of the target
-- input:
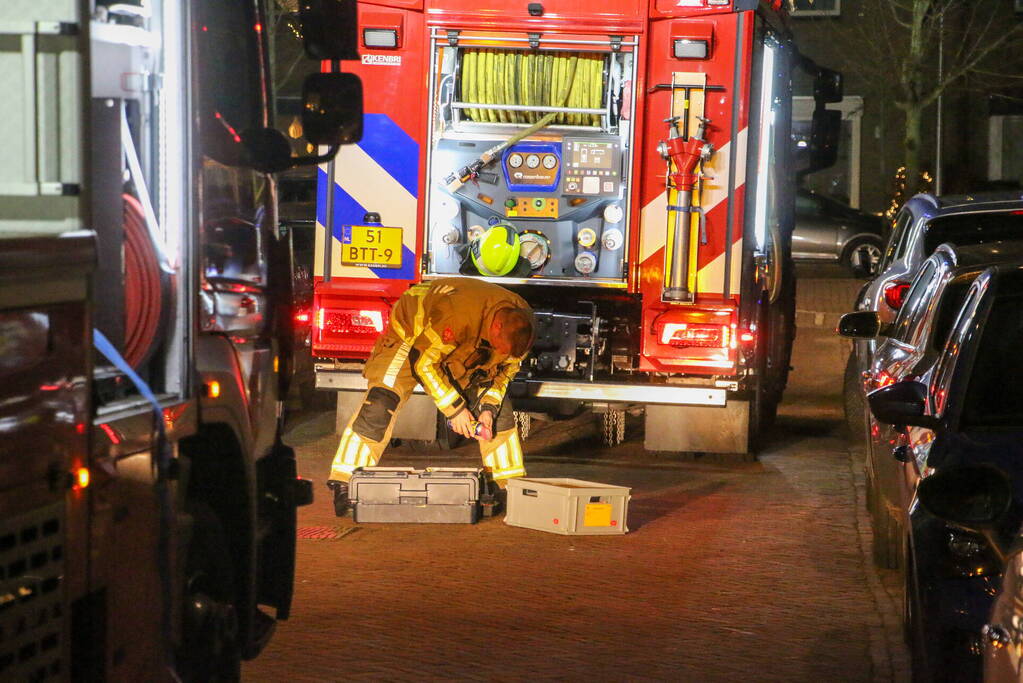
(439, 495)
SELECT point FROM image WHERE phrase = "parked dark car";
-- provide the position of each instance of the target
(910, 347)
(827, 230)
(977, 497)
(967, 410)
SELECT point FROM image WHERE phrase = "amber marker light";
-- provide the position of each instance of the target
(81, 478)
(212, 389)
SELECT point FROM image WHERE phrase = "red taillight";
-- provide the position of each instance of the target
(689, 335)
(303, 317)
(895, 293)
(348, 322)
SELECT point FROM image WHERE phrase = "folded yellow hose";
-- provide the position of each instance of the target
(516, 77)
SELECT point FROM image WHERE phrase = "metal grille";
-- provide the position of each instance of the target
(31, 595)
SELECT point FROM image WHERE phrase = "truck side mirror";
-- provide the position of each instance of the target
(828, 86)
(859, 325)
(331, 117)
(825, 134)
(902, 403)
(330, 28)
(266, 150)
(332, 109)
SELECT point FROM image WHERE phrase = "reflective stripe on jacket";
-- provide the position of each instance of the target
(441, 329)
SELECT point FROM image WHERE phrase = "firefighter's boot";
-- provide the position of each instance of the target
(340, 491)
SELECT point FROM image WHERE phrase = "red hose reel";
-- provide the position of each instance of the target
(143, 285)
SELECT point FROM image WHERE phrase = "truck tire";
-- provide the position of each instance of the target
(209, 650)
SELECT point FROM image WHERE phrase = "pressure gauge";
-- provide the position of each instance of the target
(532, 161)
(585, 262)
(515, 160)
(550, 161)
(613, 213)
(535, 248)
(587, 237)
(613, 239)
(475, 232)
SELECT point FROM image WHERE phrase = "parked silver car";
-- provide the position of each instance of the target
(924, 222)
(827, 230)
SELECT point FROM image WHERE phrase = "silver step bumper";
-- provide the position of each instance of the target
(607, 392)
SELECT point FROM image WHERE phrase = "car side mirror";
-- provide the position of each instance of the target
(330, 28)
(902, 403)
(975, 497)
(332, 109)
(860, 325)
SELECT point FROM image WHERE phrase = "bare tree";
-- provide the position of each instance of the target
(894, 44)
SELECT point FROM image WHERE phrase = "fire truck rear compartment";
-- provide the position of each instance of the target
(564, 188)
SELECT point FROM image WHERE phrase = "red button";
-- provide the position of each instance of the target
(614, 522)
(555, 520)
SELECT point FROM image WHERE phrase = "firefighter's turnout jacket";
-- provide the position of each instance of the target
(438, 338)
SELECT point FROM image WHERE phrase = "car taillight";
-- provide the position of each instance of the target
(895, 293)
(695, 335)
(348, 322)
(303, 317)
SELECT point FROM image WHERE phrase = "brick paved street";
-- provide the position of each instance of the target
(755, 571)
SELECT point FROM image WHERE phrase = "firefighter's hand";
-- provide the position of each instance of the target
(487, 419)
(462, 423)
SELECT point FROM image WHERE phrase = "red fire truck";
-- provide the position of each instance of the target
(652, 193)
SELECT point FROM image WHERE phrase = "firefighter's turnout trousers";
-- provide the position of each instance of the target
(437, 338)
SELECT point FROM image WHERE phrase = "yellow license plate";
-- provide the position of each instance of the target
(371, 246)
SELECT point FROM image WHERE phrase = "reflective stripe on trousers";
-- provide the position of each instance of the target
(502, 456)
(354, 452)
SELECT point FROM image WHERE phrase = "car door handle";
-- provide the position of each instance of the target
(998, 636)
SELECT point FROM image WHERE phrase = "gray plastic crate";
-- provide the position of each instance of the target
(567, 506)
(445, 495)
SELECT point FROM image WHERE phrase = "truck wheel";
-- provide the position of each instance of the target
(209, 648)
(613, 432)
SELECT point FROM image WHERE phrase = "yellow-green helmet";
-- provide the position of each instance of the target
(496, 252)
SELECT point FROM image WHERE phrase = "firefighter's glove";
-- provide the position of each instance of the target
(462, 423)
(486, 419)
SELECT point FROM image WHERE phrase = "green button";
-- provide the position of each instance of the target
(538, 203)
(510, 202)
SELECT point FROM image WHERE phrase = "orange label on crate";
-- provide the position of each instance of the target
(597, 514)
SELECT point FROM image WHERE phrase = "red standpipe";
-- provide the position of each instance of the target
(684, 154)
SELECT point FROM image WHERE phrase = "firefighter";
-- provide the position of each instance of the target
(462, 339)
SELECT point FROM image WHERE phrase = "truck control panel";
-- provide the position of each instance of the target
(565, 194)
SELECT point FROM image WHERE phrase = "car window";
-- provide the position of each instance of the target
(948, 308)
(915, 304)
(972, 228)
(994, 395)
(898, 235)
(946, 365)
